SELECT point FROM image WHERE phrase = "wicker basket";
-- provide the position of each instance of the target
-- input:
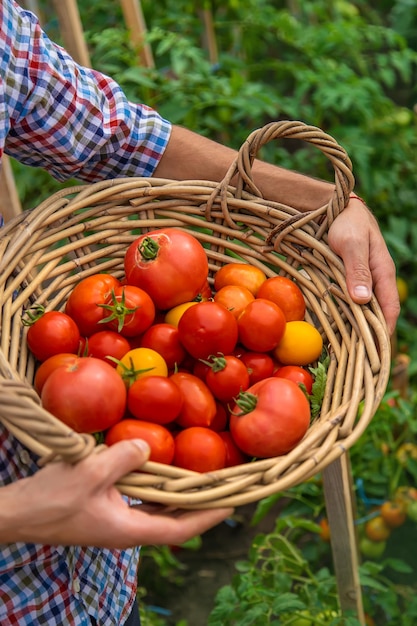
(82, 230)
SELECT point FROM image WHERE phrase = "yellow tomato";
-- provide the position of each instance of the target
(141, 362)
(173, 316)
(402, 289)
(301, 344)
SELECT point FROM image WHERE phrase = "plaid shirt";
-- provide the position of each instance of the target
(74, 122)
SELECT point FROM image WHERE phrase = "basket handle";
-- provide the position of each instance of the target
(242, 165)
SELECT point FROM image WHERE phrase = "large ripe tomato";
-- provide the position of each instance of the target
(154, 399)
(234, 298)
(52, 333)
(208, 328)
(261, 325)
(270, 418)
(88, 395)
(107, 343)
(226, 377)
(199, 405)
(159, 439)
(286, 294)
(169, 264)
(199, 449)
(141, 362)
(129, 310)
(260, 365)
(298, 374)
(47, 367)
(240, 274)
(164, 339)
(84, 301)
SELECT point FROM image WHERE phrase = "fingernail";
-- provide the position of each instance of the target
(362, 291)
(142, 445)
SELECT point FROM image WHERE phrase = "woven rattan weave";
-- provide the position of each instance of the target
(82, 230)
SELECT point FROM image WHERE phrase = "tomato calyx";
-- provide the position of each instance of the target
(118, 310)
(148, 249)
(130, 373)
(246, 402)
(33, 314)
(216, 362)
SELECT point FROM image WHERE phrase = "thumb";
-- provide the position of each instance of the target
(121, 458)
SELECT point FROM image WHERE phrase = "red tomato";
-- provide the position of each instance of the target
(199, 406)
(159, 439)
(199, 449)
(261, 325)
(259, 364)
(297, 374)
(240, 274)
(84, 300)
(234, 298)
(52, 333)
(129, 310)
(169, 264)
(226, 377)
(221, 419)
(207, 328)
(270, 418)
(164, 339)
(234, 456)
(154, 399)
(286, 294)
(88, 396)
(51, 364)
(107, 343)
(205, 292)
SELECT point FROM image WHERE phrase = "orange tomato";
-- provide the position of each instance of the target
(376, 529)
(286, 294)
(240, 274)
(393, 513)
(301, 344)
(234, 298)
(325, 529)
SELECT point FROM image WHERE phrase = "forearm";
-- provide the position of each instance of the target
(191, 156)
(12, 513)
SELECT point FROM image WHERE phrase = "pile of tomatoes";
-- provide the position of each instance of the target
(210, 374)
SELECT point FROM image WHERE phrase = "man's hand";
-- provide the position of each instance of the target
(355, 236)
(79, 504)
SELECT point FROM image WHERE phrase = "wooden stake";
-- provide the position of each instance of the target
(340, 508)
(135, 22)
(71, 30)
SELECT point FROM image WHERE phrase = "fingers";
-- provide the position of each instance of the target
(110, 464)
(356, 238)
(175, 528)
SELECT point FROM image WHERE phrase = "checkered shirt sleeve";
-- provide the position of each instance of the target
(73, 121)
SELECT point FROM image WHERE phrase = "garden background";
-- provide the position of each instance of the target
(224, 68)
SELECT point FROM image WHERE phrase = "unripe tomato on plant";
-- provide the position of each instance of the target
(376, 529)
(372, 549)
(170, 264)
(393, 513)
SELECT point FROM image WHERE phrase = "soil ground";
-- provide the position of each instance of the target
(208, 569)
